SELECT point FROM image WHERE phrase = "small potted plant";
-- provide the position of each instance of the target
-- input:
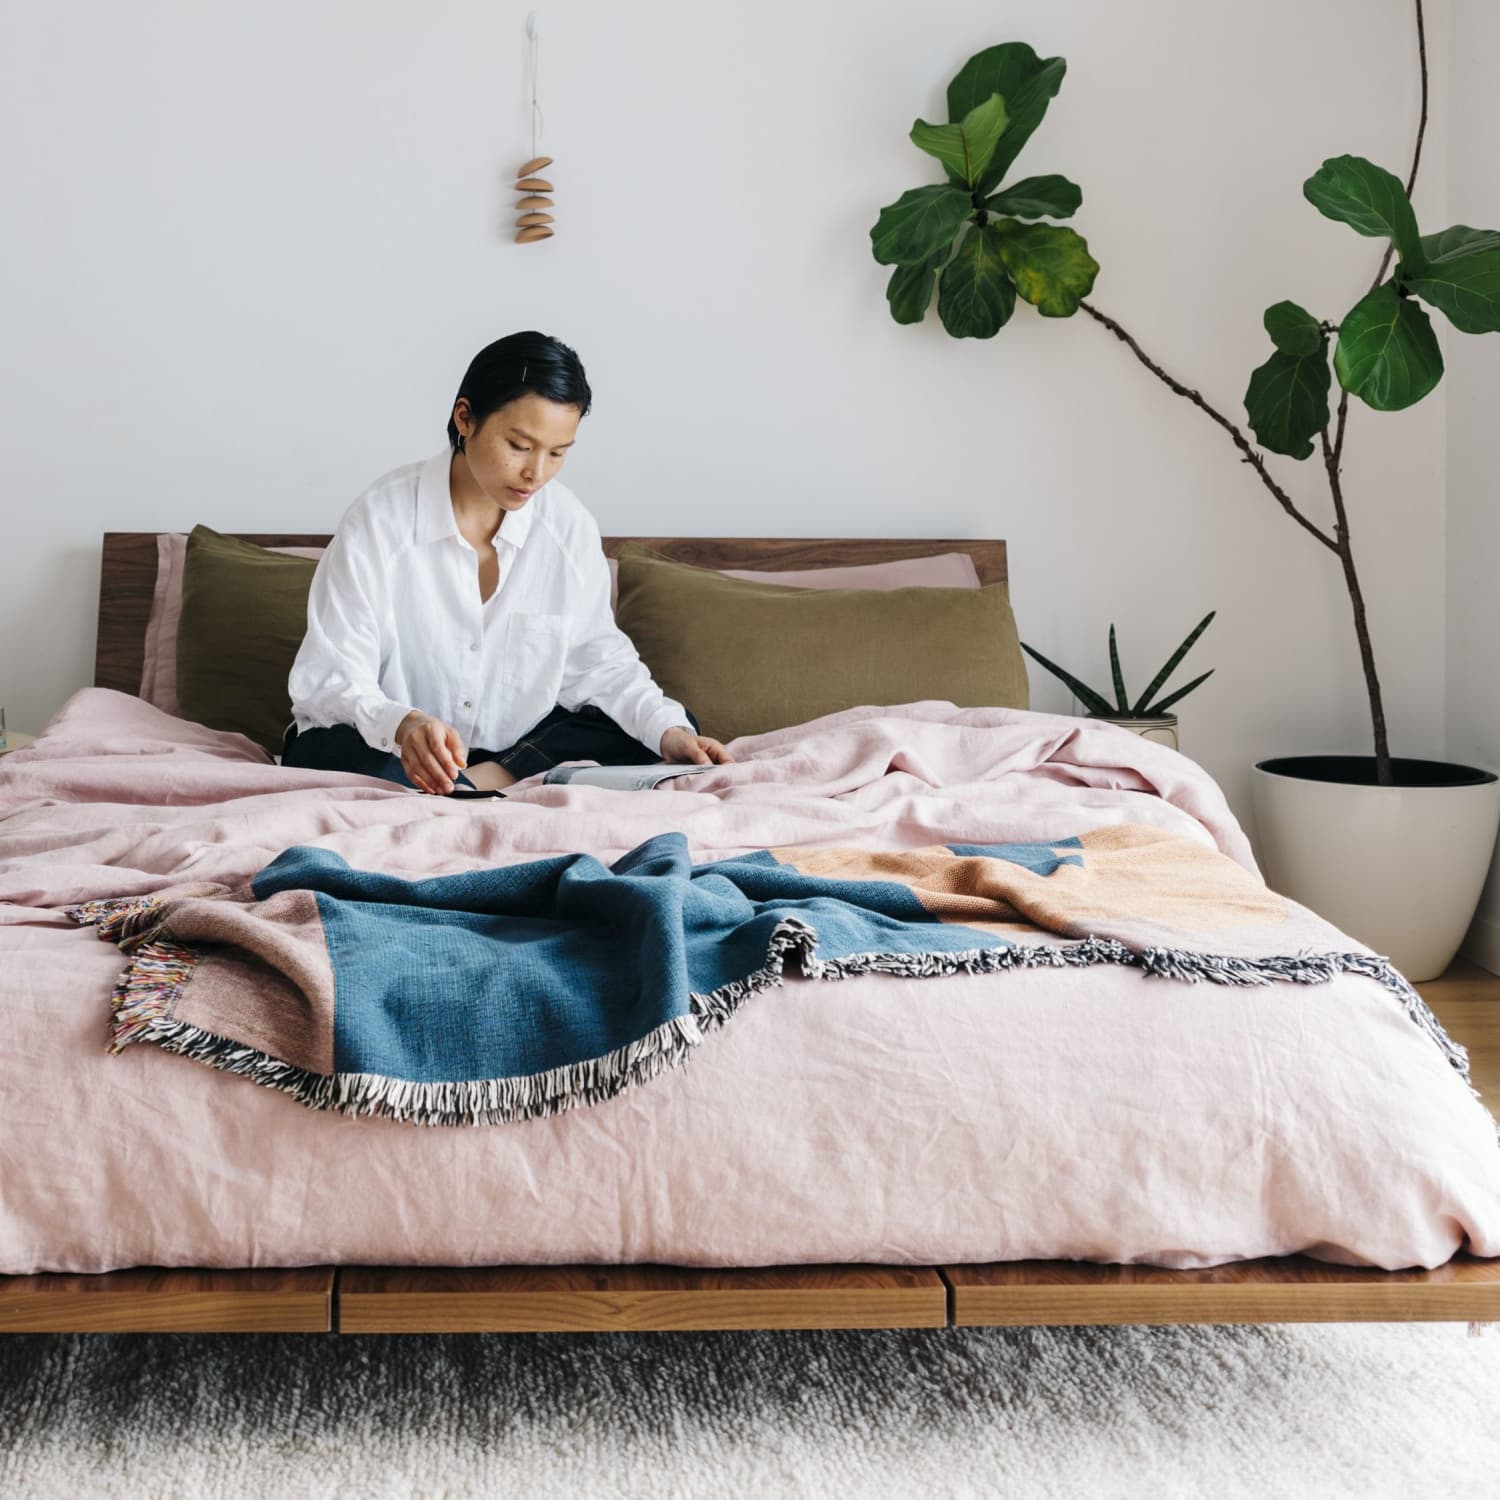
(1148, 717)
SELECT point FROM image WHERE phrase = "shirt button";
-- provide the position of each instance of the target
(467, 704)
(384, 743)
(473, 645)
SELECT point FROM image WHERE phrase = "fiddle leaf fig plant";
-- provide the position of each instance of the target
(979, 247)
(1387, 353)
(1383, 351)
(983, 246)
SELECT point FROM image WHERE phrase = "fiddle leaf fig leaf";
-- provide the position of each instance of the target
(1287, 400)
(1387, 353)
(975, 296)
(965, 149)
(918, 224)
(1025, 81)
(1050, 197)
(1293, 329)
(910, 288)
(1461, 277)
(1370, 200)
(1050, 265)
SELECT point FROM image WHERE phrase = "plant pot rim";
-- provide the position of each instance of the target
(1359, 770)
(1134, 718)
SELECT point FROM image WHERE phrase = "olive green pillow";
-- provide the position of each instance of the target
(750, 657)
(244, 613)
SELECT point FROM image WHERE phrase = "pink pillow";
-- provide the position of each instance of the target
(945, 570)
(159, 668)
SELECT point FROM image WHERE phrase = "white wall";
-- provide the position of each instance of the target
(1473, 381)
(250, 251)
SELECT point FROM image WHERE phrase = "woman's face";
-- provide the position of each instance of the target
(518, 447)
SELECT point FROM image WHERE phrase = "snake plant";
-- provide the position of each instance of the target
(1097, 703)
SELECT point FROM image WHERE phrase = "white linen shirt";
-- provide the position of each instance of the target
(395, 621)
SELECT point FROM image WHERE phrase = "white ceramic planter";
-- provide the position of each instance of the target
(1162, 729)
(1398, 867)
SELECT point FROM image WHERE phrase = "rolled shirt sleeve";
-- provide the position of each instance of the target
(335, 678)
(603, 666)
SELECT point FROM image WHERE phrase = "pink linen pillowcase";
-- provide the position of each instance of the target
(945, 570)
(159, 667)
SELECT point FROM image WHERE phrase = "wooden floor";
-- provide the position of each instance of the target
(531, 1299)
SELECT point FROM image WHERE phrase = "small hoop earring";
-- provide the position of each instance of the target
(461, 441)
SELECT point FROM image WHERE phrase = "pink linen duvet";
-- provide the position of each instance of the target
(1089, 1113)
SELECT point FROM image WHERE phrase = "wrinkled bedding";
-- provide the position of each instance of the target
(1089, 1113)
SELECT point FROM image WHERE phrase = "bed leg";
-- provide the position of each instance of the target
(1476, 1330)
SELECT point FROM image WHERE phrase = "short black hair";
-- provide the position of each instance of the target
(517, 365)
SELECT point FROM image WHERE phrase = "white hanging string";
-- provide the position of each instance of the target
(536, 113)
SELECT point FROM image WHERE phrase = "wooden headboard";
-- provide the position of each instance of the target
(127, 578)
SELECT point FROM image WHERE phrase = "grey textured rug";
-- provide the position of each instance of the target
(1342, 1410)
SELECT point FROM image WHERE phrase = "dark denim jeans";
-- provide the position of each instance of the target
(587, 733)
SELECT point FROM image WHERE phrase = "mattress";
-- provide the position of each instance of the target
(1094, 1113)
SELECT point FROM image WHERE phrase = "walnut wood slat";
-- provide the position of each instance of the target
(594, 1299)
(127, 579)
(1290, 1289)
(128, 575)
(155, 1299)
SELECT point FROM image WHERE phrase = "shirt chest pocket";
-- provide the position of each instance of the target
(536, 651)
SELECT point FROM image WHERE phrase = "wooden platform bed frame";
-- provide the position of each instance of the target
(533, 1299)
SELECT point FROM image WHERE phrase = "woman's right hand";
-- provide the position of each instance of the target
(432, 754)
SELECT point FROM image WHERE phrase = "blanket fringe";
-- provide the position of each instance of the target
(128, 921)
(1165, 963)
(146, 993)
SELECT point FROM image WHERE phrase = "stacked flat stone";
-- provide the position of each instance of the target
(535, 223)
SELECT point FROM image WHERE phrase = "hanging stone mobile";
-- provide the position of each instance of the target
(535, 223)
(534, 220)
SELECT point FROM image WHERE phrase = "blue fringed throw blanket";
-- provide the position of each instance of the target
(523, 990)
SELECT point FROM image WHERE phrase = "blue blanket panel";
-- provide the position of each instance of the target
(522, 968)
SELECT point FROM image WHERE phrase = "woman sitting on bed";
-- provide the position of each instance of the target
(459, 629)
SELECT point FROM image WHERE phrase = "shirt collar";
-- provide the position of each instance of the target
(435, 518)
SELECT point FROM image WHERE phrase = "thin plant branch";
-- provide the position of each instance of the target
(1357, 599)
(1333, 453)
(1411, 182)
(1251, 456)
(1416, 156)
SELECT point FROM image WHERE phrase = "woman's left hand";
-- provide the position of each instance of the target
(680, 743)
